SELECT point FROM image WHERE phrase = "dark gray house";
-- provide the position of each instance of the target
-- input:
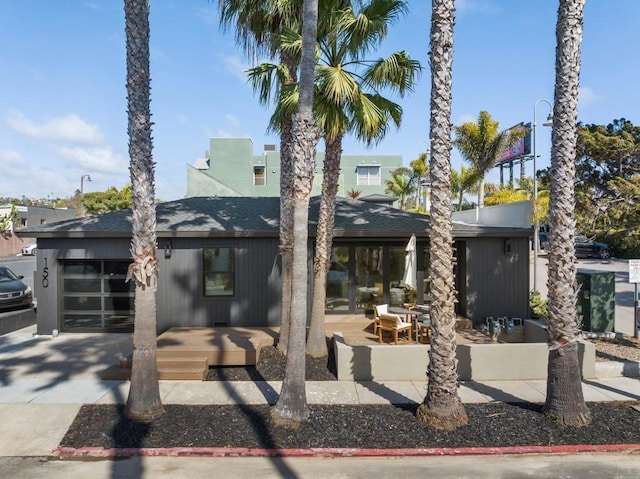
(219, 265)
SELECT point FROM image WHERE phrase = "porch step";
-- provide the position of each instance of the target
(168, 368)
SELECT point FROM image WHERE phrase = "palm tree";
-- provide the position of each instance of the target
(565, 400)
(442, 407)
(259, 26)
(420, 168)
(343, 105)
(481, 145)
(400, 185)
(143, 402)
(464, 182)
(292, 408)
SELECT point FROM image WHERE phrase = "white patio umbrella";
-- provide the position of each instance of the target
(410, 264)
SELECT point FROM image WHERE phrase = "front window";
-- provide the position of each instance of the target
(368, 175)
(218, 271)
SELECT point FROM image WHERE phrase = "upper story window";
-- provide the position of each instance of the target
(368, 175)
(218, 271)
(259, 176)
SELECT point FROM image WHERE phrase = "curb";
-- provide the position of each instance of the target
(97, 453)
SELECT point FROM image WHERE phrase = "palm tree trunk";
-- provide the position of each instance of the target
(442, 407)
(286, 230)
(292, 408)
(565, 400)
(143, 402)
(316, 339)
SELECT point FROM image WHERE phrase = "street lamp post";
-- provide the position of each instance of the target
(536, 224)
(82, 178)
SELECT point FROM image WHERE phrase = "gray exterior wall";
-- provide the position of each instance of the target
(496, 281)
(257, 285)
(180, 301)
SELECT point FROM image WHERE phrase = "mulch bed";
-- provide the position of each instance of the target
(271, 366)
(341, 426)
(493, 424)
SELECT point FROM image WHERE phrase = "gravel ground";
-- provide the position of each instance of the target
(625, 349)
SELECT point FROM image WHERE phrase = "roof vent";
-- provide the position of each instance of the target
(269, 147)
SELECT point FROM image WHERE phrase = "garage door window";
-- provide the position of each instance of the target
(95, 296)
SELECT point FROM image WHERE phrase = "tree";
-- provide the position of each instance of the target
(143, 402)
(442, 407)
(481, 145)
(259, 29)
(400, 185)
(464, 182)
(420, 167)
(565, 401)
(348, 99)
(99, 202)
(292, 408)
(344, 105)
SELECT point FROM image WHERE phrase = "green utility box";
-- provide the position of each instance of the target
(596, 300)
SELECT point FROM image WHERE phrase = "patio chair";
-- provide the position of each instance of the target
(394, 324)
(377, 311)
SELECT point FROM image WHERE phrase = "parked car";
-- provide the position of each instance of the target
(30, 250)
(14, 293)
(591, 249)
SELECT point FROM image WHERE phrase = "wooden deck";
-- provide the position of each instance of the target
(187, 353)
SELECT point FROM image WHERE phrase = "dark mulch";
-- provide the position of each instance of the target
(335, 426)
(340, 426)
(271, 365)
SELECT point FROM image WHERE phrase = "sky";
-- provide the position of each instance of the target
(63, 85)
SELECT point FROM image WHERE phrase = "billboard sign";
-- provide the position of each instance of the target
(521, 148)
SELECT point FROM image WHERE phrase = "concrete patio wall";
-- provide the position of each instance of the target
(476, 362)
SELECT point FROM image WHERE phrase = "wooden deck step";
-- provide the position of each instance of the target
(168, 368)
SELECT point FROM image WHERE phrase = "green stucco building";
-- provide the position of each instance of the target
(230, 168)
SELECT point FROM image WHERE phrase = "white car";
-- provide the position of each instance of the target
(30, 250)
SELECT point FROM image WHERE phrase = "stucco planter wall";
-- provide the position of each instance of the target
(476, 362)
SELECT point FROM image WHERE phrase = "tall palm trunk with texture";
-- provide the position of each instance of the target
(292, 408)
(316, 339)
(286, 231)
(442, 407)
(565, 400)
(143, 402)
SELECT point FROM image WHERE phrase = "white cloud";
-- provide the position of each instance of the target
(10, 159)
(232, 120)
(587, 96)
(70, 128)
(235, 66)
(100, 159)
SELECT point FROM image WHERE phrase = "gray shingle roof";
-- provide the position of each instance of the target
(257, 216)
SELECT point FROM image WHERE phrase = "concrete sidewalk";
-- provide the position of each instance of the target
(45, 380)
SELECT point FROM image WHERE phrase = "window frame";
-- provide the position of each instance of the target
(368, 179)
(230, 273)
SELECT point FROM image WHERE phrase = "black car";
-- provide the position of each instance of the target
(14, 293)
(591, 249)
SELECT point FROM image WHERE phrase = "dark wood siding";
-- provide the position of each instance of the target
(257, 284)
(497, 278)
